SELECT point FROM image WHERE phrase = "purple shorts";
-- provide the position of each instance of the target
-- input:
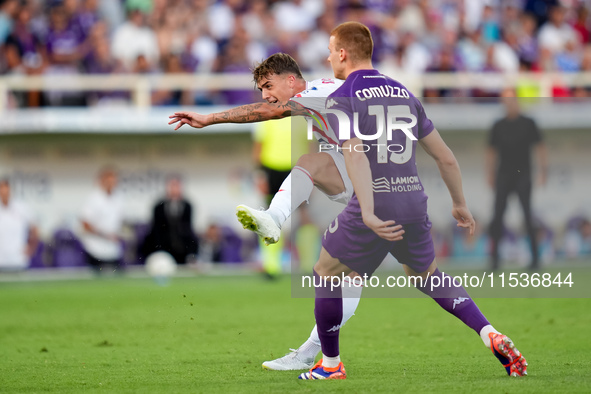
(362, 250)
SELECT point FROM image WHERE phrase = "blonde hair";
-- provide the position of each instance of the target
(355, 38)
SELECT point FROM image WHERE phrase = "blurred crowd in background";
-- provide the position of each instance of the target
(70, 37)
(106, 241)
(156, 37)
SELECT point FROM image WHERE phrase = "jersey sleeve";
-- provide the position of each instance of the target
(311, 104)
(424, 124)
(339, 108)
(314, 100)
(314, 97)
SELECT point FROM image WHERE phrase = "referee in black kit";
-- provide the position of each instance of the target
(509, 168)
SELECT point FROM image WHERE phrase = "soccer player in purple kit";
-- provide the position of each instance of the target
(379, 124)
(288, 94)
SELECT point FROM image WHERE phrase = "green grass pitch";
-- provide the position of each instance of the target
(211, 334)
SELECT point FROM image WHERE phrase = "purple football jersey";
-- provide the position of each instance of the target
(390, 121)
(64, 42)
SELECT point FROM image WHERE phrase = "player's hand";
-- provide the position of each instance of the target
(387, 230)
(464, 217)
(193, 119)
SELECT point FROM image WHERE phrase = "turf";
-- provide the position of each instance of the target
(210, 334)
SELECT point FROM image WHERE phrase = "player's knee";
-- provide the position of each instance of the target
(324, 270)
(309, 162)
(424, 274)
(321, 270)
(353, 275)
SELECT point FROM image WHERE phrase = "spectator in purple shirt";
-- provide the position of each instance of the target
(65, 50)
(25, 54)
(86, 17)
(234, 59)
(101, 61)
(172, 64)
(64, 43)
(445, 62)
(528, 42)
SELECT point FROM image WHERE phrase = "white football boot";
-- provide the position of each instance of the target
(260, 222)
(290, 362)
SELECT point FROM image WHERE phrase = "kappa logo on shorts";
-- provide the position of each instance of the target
(458, 301)
(334, 328)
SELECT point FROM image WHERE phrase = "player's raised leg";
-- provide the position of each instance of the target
(455, 300)
(314, 169)
(297, 187)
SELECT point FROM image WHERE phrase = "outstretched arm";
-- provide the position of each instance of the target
(450, 172)
(360, 173)
(249, 113)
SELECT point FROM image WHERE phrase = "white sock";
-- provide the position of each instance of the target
(294, 190)
(484, 334)
(314, 337)
(310, 348)
(351, 296)
(331, 362)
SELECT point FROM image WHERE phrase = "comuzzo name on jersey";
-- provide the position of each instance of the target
(381, 91)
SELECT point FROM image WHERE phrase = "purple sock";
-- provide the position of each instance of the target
(454, 299)
(329, 315)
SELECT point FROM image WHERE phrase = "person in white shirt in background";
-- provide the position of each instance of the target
(102, 220)
(18, 234)
(134, 39)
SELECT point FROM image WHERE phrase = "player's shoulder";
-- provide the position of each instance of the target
(372, 79)
(326, 83)
(320, 87)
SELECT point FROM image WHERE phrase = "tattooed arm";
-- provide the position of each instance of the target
(249, 113)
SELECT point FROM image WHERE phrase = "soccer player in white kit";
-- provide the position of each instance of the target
(287, 94)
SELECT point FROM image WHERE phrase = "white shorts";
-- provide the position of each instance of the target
(339, 161)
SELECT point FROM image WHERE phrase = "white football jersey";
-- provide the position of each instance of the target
(314, 100)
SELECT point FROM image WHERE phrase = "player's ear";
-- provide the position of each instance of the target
(291, 80)
(342, 54)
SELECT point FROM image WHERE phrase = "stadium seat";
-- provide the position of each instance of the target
(67, 250)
